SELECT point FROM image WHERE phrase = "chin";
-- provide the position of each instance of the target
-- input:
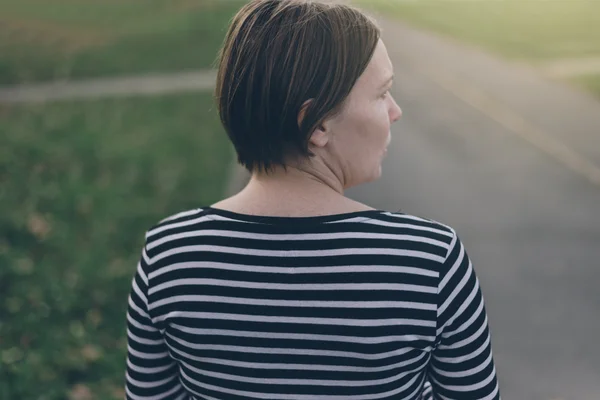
(366, 178)
(375, 175)
(378, 173)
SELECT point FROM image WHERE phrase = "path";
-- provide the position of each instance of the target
(512, 161)
(145, 85)
(571, 67)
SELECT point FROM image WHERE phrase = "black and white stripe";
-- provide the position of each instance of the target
(361, 306)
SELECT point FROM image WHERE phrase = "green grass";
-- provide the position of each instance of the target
(590, 82)
(532, 30)
(80, 182)
(59, 39)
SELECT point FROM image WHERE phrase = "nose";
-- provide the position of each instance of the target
(395, 112)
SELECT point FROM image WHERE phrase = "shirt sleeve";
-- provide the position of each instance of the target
(462, 366)
(150, 373)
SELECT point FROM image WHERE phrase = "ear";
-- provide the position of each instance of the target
(302, 111)
(320, 135)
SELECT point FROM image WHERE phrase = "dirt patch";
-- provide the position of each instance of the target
(15, 32)
(574, 67)
(185, 5)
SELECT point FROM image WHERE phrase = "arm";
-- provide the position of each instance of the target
(151, 373)
(462, 365)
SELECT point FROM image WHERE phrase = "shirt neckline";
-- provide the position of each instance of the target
(317, 219)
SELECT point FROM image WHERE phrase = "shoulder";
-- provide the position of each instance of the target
(442, 239)
(176, 220)
(418, 226)
(422, 237)
(175, 225)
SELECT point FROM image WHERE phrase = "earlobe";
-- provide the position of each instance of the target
(319, 137)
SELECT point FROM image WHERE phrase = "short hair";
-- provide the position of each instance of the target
(278, 54)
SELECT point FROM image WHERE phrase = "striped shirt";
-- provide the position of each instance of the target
(360, 306)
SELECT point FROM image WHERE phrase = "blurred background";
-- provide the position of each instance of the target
(107, 125)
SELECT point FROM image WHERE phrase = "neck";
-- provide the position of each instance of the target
(301, 179)
(298, 190)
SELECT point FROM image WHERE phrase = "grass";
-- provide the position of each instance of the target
(80, 182)
(520, 29)
(590, 82)
(83, 180)
(60, 39)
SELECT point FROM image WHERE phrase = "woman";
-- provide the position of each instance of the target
(289, 289)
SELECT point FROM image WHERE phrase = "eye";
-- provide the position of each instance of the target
(385, 94)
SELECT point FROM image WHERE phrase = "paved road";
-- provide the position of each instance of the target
(511, 161)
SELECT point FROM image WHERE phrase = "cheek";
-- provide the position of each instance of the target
(372, 130)
(381, 122)
(375, 118)
(385, 113)
(364, 131)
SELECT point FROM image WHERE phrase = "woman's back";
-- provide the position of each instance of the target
(363, 305)
(327, 298)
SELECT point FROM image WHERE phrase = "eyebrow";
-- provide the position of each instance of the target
(387, 81)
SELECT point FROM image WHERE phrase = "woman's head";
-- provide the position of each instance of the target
(301, 79)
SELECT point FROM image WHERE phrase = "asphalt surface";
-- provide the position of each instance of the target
(511, 161)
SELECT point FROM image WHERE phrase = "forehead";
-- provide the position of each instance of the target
(379, 69)
(375, 75)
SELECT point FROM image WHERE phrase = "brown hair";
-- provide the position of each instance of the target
(277, 55)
